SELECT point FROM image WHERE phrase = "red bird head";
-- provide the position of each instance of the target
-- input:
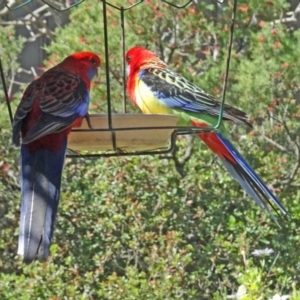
(139, 58)
(84, 63)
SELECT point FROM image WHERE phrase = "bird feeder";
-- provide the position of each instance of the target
(125, 133)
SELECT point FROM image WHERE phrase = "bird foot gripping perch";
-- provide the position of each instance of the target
(88, 120)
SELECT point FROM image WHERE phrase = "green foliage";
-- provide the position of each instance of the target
(132, 228)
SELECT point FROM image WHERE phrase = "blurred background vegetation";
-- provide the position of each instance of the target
(133, 227)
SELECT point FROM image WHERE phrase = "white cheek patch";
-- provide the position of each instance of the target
(128, 70)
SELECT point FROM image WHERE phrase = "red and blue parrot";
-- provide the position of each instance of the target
(157, 90)
(51, 105)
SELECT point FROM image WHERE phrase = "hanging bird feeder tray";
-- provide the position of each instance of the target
(126, 135)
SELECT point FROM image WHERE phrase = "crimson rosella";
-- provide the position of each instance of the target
(51, 105)
(155, 89)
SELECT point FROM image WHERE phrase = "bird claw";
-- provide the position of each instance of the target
(120, 150)
(73, 152)
(88, 120)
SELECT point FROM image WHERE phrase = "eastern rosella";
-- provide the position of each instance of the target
(51, 105)
(157, 90)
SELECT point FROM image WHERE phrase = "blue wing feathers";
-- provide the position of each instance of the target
(176, 92)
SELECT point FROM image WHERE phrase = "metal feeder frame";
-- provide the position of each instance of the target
(176, 129)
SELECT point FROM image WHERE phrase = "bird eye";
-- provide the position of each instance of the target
(93, 61)
(128, 58)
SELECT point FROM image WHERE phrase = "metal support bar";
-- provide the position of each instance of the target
(227, 65)
(123, 57)
(109, 110)
(176, 5)
(5, 92)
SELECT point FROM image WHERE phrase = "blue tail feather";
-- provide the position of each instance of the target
(40, 179)
(250, 181)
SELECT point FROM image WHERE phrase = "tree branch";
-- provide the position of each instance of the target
(280, 147)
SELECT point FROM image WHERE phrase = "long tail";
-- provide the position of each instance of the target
(242, 172)
(40, 179)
